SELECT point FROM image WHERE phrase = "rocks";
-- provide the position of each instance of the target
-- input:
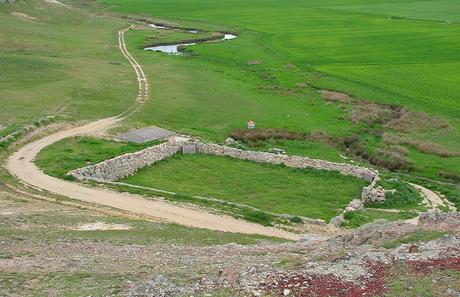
(440, 221)
(230, 141)
(373, 194)
(278, 151)
(453, 293)
(159, 286)
(189, 148)
(338, 220)
(355, 205)
(376, 232)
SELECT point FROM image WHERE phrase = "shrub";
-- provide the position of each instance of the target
(449, 175)
(405, 196)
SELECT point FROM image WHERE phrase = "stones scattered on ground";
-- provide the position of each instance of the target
(376, 232)
(440, 221)
(315, 266)
(159, 286)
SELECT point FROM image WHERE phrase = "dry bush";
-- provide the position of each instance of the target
(410, 121)
(372, 113)
(449, 175)
(421, 146)
(248, 136)
(319, 136)
(398, 149)
(336, 97)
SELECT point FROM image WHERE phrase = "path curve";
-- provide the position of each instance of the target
(21, 165)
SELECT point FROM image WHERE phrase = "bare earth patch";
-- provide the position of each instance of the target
(23, 16)
(102, 226)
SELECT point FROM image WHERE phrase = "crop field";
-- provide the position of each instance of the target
(404, 54)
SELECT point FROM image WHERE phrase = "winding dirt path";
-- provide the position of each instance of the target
(21, 165)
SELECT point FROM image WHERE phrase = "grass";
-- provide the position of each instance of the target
(358, 218)
(65, 62)
(72, 153)
(405, 283)
(354, 47)
(271, 188)
(405, 197)
(417, 236)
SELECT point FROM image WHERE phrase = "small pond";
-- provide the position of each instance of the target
(173, 49)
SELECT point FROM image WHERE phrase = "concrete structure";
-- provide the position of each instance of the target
(145, 135)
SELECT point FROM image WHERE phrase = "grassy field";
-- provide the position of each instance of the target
(359, 218)
(77, 152)
(392, 52)
(282, 190)
(57, 60)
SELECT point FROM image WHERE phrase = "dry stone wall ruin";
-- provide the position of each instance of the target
(127, 164)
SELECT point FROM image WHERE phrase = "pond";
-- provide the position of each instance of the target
(174, 49)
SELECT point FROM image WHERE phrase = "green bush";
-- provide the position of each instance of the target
(405, 196)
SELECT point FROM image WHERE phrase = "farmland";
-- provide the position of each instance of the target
(367, 88)
(385, 53)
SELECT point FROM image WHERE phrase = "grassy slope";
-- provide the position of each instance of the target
(277, 189)
(64, 61)
(350, 46)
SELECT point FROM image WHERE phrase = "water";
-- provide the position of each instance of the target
(168, 49)
(229, 37)
(157, 26)
(173, 49)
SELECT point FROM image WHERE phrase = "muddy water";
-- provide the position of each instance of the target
(173, 49)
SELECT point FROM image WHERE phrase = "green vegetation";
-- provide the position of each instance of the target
(434, 284)
(405, 196)
(355, 219)
(417, 236)
(60, 61)
(271, 188)
(72, 153)
(400, 53)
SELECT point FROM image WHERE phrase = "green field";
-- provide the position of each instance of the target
(57, 60)
(394, 52)
(60, 61)
(271, 188)
(72, 153)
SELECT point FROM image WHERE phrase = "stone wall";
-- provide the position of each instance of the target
(289, 161)
(125, 165)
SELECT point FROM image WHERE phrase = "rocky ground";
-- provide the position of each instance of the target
(48, 249)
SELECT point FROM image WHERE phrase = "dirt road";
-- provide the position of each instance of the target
(21, 165)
